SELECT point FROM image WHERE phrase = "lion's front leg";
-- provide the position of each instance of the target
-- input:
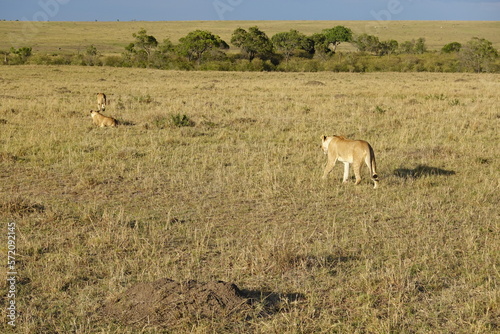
(329, 166)
(346, 172)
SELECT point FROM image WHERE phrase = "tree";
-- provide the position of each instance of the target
(22, 53)
(321, 46)
(91, 50)
(337, 35)
(91, 55)
(414, 46)
(308, 45)
(406, 47)
(478, 54)
(451, 47)
(165, 47)
(142, 49)
(368, 43)
(195, 44)
(252, 43)
(144, 42)
(161, 55)
(419, 46)
(387, 47)
(289, 42)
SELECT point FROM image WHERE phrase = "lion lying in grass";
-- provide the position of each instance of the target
(101, 120)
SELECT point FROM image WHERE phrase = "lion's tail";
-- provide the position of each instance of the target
(373, 164)
(373, 167)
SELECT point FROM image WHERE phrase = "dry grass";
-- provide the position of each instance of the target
(112, 37)
(238, 196)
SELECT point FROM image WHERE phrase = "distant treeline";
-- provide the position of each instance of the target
(285, 51)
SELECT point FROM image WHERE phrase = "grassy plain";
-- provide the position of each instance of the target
(238, 197)
(112, 37)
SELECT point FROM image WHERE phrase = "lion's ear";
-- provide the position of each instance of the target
(323, 137)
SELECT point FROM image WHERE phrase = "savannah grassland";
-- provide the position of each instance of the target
(110, 38)
(238, 196)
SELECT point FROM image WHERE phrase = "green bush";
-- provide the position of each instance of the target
(256, 65)
(183, 65)
(45, 59)
(160, 121)
(312, 66)
(114, 61)
(477, 55)
(216, 66)
(41, 59)
(179, 120)
(451, 47)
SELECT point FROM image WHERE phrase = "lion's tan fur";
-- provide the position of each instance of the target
(349, 152)
(101, 101)
(101, 120)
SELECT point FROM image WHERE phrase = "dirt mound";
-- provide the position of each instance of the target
(315, 83)
(168, 303)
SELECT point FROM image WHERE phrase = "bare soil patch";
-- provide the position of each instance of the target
(167, 303)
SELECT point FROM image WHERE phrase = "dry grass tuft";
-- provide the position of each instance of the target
(20, 206)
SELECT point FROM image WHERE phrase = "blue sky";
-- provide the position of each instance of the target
(187, 10)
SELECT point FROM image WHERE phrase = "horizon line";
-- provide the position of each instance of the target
(263, 20)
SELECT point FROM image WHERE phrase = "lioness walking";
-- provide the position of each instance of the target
(101, 101)
(349, 152)
(101, 120)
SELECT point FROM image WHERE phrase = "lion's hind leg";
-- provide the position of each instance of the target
(357, 166)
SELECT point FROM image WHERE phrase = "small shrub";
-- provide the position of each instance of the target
(160, 121)
(179, 120)
(306, 110)
(439, 97)
(146, 99)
